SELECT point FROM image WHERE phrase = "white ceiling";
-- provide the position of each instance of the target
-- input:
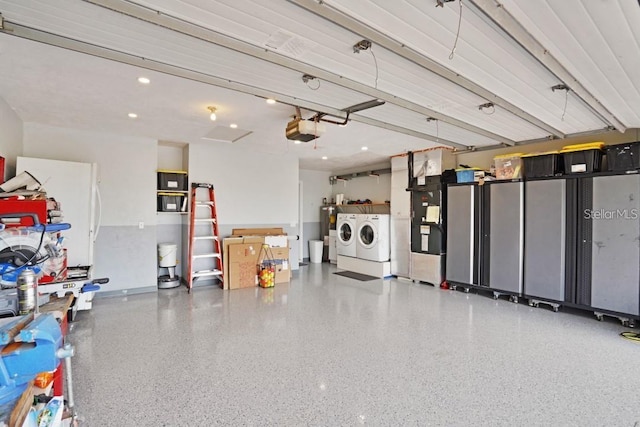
(232, 54)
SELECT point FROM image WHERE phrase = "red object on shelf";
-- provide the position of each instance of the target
(1, 170)
(38, 207)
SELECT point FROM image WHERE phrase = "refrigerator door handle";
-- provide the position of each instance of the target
(99, 219)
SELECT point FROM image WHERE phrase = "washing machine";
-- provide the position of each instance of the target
(346, 238)
(374, 243)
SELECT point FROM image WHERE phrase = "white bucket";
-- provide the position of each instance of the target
(167, 254)
(315, 251)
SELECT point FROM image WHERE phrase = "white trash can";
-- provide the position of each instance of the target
(315, 251)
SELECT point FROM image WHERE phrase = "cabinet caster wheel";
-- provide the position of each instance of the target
(513, 299)
(555, 309)
(495, 296)
(453, 287)
(632, 324)
(466, 290)
(625, 323)
(599, 317)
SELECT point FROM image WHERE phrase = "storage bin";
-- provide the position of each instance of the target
(469, 174)
(582, 158)
(623, 157)
(168, 202)
(172, 180)
(539, 165)
(508, 166)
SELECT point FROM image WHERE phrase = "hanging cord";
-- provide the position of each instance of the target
(437, 131)
(566, 100)
(455, 43)
(315, 133)
(566, 89)
(376, 63)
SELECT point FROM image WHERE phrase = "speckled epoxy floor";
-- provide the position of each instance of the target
(326, 350)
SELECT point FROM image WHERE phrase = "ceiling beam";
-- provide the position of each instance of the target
(496, 11)
(18, 30)
(180, 26)
(327, 12)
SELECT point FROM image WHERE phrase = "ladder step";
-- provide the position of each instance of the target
(205, 273)
(205, 220)
(201, 203)
(208, 255)
(205, 238)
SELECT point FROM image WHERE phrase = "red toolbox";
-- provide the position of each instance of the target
(38, 207)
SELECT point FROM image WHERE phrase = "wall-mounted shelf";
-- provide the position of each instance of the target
(370, 208)
(345, 177)
(172, 191)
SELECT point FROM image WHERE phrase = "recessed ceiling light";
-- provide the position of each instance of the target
(271, 101)
(297, 142)
(233, 126)
(324, 157)
(364, 148)
(144, 80)
(133, 115)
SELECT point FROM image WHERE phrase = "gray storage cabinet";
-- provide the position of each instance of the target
(463, 234)
(503, 236)
(545, 239)
(614, 243)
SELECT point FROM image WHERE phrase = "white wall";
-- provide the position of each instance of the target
(250, 188)
(10, 138)
(170, 157)
(315, 187)
(127, 182)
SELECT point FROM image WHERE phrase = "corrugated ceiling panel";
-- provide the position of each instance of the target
(596, 41)
(333, 51)
(317, 42)
(484, 54)
(398, 116)
(99, 26)
(405, 79)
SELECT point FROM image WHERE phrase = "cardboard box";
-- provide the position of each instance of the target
(243, 261)
(241, 256)
(226, 256)
(275, 231)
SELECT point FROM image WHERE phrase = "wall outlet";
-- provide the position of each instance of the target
(141, 225)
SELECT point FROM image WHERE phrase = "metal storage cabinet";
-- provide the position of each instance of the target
(615, 251)
(545, 239)
(503, 236)
(463, 234)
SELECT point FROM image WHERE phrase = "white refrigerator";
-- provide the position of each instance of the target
(74, 185)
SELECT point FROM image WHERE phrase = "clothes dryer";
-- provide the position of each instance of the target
(373, 238)
(346, 238)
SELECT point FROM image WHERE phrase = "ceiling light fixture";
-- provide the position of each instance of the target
(271, 101)
(297, 141)
(233, 126)
(324, 157)
(132, 115)
(144, 80)
(364, 148)
(212, 116)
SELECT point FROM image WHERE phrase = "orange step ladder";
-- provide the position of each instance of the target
(204, 245)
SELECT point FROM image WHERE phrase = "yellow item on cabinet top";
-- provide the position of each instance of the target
(582, 147)
(544, 153)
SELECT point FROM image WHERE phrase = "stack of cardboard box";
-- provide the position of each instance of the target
(241, 256)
